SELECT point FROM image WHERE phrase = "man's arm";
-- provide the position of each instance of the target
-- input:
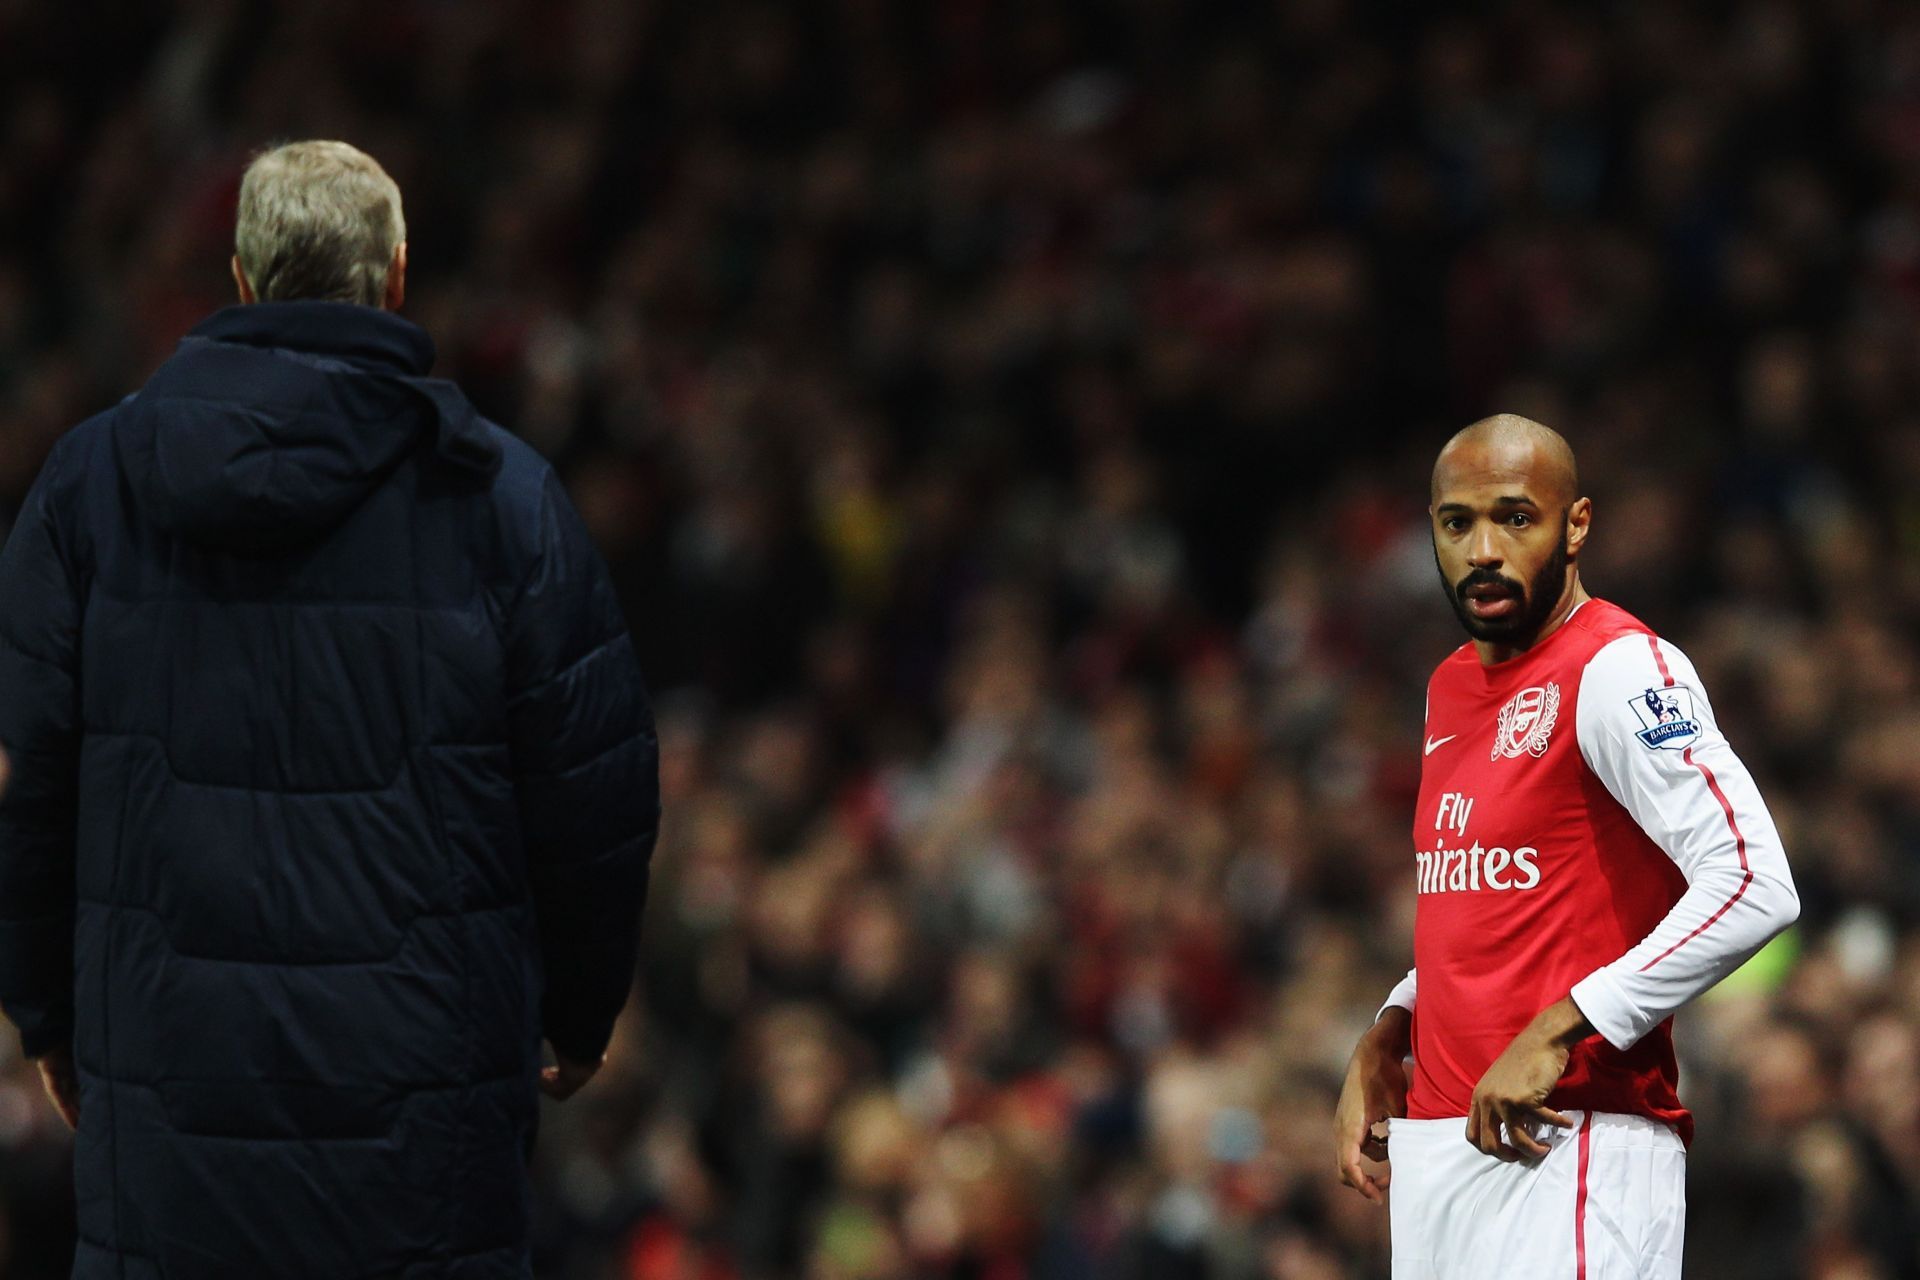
(586, 779)
(1375, 1090)
(1646, 730)
(1648, 733)
(40, 723)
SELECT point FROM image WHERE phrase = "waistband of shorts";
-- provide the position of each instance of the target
(1612, 1128)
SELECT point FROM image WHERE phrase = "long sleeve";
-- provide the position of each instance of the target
(1648, 733)
(586, 776)
(40, 729)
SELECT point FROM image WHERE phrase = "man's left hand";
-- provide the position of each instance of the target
(1514, 1090)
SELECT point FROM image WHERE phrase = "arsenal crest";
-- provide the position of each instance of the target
(1525, 722)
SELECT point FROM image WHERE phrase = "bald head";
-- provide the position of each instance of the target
(1508, 526)
(1513, 447)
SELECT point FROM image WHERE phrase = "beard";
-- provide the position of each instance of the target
(1537, 600)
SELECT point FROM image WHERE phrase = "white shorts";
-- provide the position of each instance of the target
(1607, 1202)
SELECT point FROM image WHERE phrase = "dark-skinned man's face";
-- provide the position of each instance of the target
(1501, 538)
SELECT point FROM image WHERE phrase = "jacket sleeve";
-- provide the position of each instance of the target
(1648, 733)
(586, 777)
(40, 729)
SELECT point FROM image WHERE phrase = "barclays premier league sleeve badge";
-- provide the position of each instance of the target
(1667, 718)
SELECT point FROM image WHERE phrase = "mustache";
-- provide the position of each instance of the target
(1487, 578)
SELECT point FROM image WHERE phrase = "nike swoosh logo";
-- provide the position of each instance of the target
(1434, 744)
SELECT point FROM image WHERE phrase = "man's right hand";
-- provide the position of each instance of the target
(562, 1080)
(1375, 1089)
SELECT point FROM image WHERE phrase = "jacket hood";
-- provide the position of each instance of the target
(273, 421)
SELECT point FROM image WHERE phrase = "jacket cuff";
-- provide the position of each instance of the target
(1605, 1004)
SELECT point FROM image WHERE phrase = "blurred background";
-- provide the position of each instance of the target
(1008, 422)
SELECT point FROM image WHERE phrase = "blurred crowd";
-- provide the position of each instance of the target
(1008, 422)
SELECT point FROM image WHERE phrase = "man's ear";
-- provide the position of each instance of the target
(1579, 522)
(396, 294)
(240, 282)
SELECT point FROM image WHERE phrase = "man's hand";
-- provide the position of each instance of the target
(62, 1085)
(1514, 1090)
(1376, 1088)
(562, 1080)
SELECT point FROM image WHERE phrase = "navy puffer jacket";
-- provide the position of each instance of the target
(334, 790)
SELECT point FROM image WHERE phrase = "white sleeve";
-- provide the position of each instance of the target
(1647, 731)
(1401, 996)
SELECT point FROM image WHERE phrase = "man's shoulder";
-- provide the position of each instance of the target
(524, 471)
(527, 499)
(1639, 686)
(1620, 646)
(1604, 622)
(80, 445)
(80, 455)
(1602, 634)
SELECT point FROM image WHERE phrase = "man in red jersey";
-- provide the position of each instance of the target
(1590, 855)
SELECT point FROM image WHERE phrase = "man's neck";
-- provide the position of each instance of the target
(1492, 653)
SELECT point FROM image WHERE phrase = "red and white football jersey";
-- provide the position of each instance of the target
(1583, 828)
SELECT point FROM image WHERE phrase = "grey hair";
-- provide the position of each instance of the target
(320, 221)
